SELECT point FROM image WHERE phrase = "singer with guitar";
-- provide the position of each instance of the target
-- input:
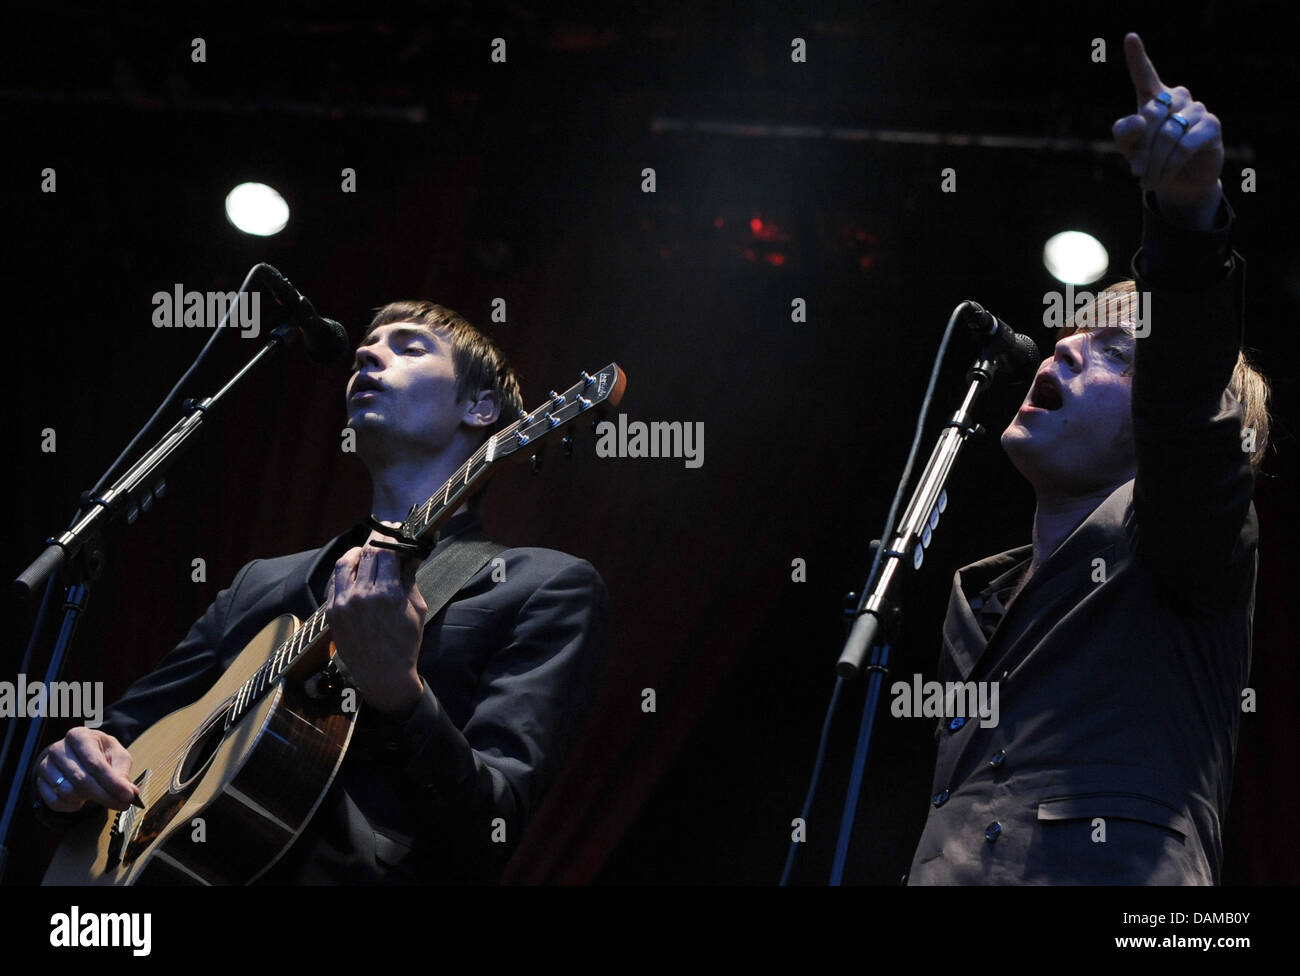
(1120, 639)
(461, 722)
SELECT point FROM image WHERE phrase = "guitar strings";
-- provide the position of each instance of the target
(151, 795)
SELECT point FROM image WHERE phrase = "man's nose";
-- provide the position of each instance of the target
(367, 355)
(1070, 351)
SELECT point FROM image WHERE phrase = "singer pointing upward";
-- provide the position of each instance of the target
(1120, 638)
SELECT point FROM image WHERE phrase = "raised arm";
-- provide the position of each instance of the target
(1194, 481)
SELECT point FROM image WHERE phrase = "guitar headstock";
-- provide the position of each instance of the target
(589, 394)
(603, 388)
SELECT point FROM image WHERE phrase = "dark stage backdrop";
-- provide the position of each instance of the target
(524, 182)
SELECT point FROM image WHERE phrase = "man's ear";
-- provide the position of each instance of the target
(483, 411)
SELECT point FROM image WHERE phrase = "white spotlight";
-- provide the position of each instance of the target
(256, 208)
(1075, 258)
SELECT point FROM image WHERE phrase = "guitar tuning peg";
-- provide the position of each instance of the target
(536, 459)
(567, 442)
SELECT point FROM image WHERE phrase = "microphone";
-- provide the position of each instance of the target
(1016, 353)
(324, 339)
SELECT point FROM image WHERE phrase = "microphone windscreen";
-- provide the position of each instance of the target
(1023, 358)
(325, 340)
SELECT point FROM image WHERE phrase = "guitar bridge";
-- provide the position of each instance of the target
(124, 826)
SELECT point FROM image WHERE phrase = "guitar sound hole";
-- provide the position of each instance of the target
(200, 753)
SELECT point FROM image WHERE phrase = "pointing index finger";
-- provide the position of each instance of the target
(1141, 71)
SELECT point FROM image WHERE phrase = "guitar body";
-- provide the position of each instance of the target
(220, 808)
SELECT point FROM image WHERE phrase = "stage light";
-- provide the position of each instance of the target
(256, 208)
(1075, 258)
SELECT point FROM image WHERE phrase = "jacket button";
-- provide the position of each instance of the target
(941, 798)
(993, 831)
(998, 759)
(956, 723)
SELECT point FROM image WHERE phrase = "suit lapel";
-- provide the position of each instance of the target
(1067, 572)
(963, 638)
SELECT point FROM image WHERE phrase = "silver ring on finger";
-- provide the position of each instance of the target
(1165, 99)
(58, 783)
(1181, 121)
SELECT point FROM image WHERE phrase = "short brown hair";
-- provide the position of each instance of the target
(1118, 306)
(477, 360)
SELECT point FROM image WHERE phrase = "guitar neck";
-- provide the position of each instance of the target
(456, 490)
(313, 630)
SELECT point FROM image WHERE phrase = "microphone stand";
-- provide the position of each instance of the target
(919, 520)
(878, 611)
(77, 555)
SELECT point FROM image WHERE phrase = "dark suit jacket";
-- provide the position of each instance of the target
(1120, 689)
(508, 668)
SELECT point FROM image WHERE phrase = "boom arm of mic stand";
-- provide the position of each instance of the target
(879, 601)
(136, 489)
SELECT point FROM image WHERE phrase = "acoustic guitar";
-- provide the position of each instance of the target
(253, 758)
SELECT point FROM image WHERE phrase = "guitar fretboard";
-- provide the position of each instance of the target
(285, 656)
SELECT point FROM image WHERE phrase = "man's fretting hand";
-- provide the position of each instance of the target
(1181, 164)
(376, 613)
